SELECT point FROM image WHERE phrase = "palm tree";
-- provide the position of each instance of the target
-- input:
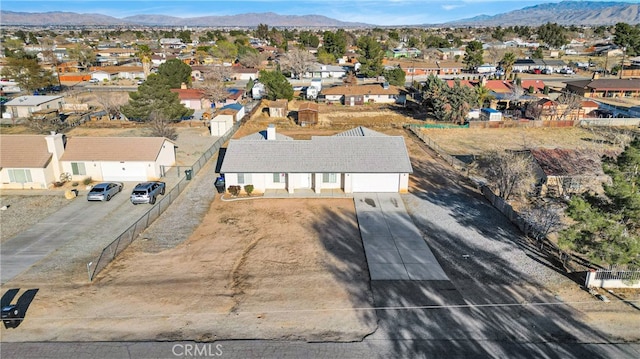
(144, 53)
(484, 95)
(507, 63)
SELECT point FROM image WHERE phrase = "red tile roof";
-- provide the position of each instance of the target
(189, 94)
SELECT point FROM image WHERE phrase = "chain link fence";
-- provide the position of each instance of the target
(111, 251)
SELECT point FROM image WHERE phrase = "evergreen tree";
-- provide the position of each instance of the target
(276, 84)
(473, 55)
(371, 55)
(174, 73)
(395, 76)
(154, 96)
(608, 230)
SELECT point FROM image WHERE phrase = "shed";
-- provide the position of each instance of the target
(489, 114)
(278, 108)
(308, 114)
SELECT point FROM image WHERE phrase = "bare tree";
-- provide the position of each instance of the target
(161, 126)
(568, 106)
(252, 59)
(544, 219)
(298, 61)
(508, 173)
(112, 103)
(213, 84)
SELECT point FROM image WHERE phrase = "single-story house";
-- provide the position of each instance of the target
(103, 75)
(30, 161)
(605, 87)
(245, 73)
(357, 160)
(192, 98)
(24, 106)
(325, 71)
(117, 158)
(359, 95)
(563, 171)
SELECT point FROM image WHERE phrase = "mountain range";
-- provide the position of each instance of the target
(565, 13)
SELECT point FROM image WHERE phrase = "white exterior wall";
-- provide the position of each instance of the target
(379, 98)
(92, 169)
(166, 157)
(194, 104)
(25, 111)
(318, 185)
(299, 180)
(220, 125)
(404, 183)
(40, 179)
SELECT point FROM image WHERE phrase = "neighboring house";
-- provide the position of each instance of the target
(308, 113)
(605, 87)
(114, 56)
(526, 65)
(450, 53)
(358, 160)
(192, 98)
(361, 94)
(404, 52)
(117, 158)
(235, 95)
(30, 161)
(224, 119)
(104, 75)
(278, 108)
(117, 72)
(325, 71)
(244, 73)
(24, 106)
(588, 108)
(561, 172)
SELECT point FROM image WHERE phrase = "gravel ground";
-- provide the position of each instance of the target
(27, 209)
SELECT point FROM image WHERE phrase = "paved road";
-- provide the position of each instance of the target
(291, 349)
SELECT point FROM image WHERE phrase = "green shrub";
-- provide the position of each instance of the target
(75, 184)
(87, 181)
(248, 188)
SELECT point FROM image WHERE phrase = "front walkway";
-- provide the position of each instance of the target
(393, 245)
(306, 193)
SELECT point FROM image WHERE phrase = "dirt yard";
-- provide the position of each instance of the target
(274, 269)
(466, 141)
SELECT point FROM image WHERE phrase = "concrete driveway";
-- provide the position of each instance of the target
(394, 246)
(98, 222)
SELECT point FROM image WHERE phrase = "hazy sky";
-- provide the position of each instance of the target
(389, 12)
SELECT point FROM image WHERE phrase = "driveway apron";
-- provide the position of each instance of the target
(394, 247)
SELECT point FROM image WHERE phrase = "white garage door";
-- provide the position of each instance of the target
(115, 171)
(375, 182)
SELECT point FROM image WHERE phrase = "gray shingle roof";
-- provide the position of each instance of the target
(360, 131)
(262, 135)
(321, 154)
(31, 100)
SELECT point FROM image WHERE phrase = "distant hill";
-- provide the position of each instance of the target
(242, 20)
(564, 13)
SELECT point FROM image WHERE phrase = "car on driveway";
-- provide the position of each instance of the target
(146, 192)
(104, 191)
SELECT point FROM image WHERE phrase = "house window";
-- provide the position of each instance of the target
(77, 168)
(20, 176)
(244, 178)
(329, 177)
(279, 178)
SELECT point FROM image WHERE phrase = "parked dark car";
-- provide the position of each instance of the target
(10, 314)
(146, 192)
(104, 191)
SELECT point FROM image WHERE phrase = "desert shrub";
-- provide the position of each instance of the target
(74, 184)
(248, 188)
(234, 190)
(86, 181)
